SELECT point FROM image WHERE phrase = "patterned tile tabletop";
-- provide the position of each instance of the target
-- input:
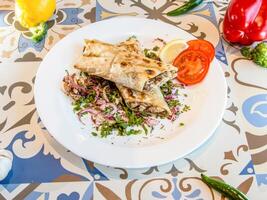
(43, 169)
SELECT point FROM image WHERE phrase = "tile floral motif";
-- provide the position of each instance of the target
(195, 25)
(63, 191)
(243, 69)
(35, 152)
(16, 191)
(255, 110)
(233, 160)
(156, 188)
(68, 16)
(236, 152)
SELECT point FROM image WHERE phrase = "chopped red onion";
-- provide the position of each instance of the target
(109, 105)
(152, 122)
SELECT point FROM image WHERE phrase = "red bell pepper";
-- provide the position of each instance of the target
(245, 21)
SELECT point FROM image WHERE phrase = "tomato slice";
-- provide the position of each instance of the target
(192, 66)
(204, 46)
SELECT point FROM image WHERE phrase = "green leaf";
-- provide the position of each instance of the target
(39, 32)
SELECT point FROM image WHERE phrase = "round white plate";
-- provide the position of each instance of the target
(207, 101)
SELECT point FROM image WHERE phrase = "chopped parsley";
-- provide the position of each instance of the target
(85, 74)
(113, 95)
(108, 110)
(94, 133)
(186, 108)
(167, 88)
(132, 37)
(84, 102)
(133, 118)
(121, 126)
(145, 129)
(155, 48)
(173, 103)
(106, 129)
(150, 54)
(133, 132)
(76, 106)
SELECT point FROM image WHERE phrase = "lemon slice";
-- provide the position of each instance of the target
(170, 51)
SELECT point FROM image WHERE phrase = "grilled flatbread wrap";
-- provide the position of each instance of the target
(152, 101)
(127, 68)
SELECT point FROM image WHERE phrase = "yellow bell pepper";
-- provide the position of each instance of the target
(30, 13)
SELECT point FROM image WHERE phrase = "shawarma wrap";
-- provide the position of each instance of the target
(124, 67)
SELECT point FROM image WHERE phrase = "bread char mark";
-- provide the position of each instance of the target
(150, 72)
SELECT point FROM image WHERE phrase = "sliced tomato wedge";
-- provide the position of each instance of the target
(202, 45)
(192, 66)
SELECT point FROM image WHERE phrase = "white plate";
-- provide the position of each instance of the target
(207, 101)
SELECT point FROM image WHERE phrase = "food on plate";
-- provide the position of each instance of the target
(131, 45)
(116, 107)
(245, 21)
(124, 89)
(108, 111)
(127, 68)
(224, 188)
(193, 66)
(193, 63)
(102, 101)
(258, 54)
(170, 51)
(151, 102)
(202, 45)
(190, 5)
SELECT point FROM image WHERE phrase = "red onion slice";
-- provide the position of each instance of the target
(152, 122)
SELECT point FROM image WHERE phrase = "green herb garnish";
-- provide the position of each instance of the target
(145, 129)
(133, 118)
(150, 54)
(113, 95)
(94, 133)
(121, 125)
(132, 37)
(186, 108)
(106, 129)
(155, 48)
(108, 110)
(133, 132)
(85, 74)
(84, 102)
(173, 103)
(166, 88)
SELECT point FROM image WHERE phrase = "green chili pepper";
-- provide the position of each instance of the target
(223, 188)
(191, 4)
